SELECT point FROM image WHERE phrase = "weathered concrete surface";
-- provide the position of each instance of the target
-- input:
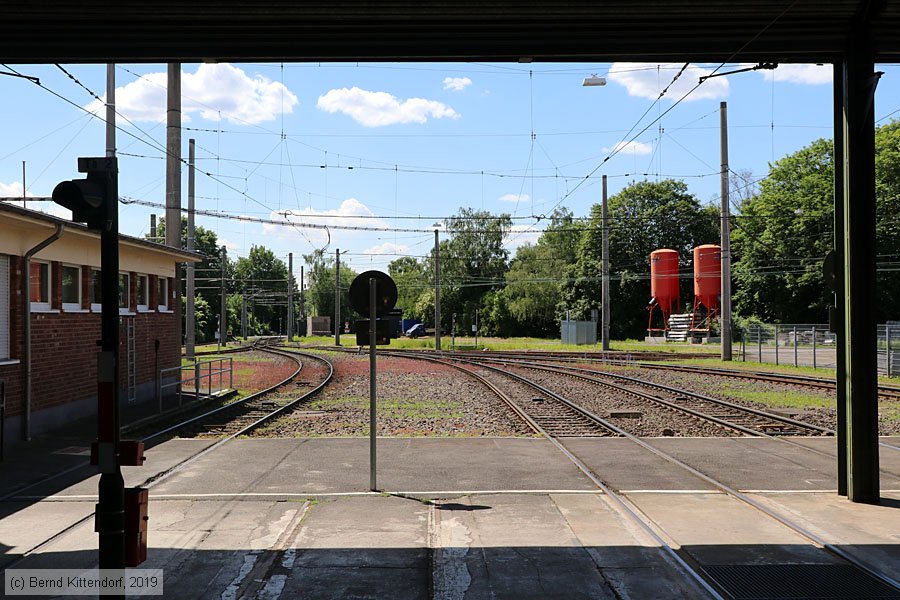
(218, 533)
(311, 466)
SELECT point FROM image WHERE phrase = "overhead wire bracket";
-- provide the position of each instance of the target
(768, 66)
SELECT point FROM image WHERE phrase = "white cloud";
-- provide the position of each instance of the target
(804, 74)
(515, 198)
(456, 84)
(12, 190)
(377, 109)
(643, 80)
(338, 216)
(388, 248)
(630, 148)
(213, 88)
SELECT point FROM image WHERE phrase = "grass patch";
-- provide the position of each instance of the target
(787, 399)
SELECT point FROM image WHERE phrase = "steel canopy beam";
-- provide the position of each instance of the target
(475, 30)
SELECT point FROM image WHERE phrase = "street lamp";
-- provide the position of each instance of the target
(593, 81)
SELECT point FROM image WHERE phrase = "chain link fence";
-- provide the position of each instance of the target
(812, 345)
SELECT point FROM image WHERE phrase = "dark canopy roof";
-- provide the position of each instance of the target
(545, 30)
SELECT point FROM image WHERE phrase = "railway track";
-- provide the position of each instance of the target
(877, 582)
(885, 392)
(759, 421)
(242, 416)
(740, 418)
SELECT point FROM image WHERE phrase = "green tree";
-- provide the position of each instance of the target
(783, 234)
(202, 316)
(411, 278)
(320, 292)
(473, 262)
(534, 292)
(781, 237)
(207, 273)
(644, 216)
(263, 277)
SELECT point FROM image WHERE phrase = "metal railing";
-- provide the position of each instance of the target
(198, 381)
(812, 345)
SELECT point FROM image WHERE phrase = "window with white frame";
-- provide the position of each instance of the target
(143, 292)
(162, 290)
(96, 290)
(71, 287)
(4, 307)
(124, 292)
(39, 285)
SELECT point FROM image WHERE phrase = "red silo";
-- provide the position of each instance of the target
(663, 285)
(707, 284)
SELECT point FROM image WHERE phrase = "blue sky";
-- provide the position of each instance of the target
(422, 140)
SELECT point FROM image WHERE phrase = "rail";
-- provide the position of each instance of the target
(200, 381)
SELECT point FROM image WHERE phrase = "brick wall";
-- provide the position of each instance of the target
(64, 349)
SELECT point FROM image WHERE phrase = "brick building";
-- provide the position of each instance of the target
(62, 296)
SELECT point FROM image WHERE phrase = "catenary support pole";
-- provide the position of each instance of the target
(859, 307)
(223, 313)
(437, 292)
(337, 297)
(302, 304)
(725, 234)
(290, 298)
(605, 274)
(373, 390)
(190, 327)
(110, 116)
(173, 182)
(244, 315)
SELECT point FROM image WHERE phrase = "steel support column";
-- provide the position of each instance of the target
(859, 267)
(837, 319)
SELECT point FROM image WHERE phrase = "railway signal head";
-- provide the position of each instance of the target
(92, 200)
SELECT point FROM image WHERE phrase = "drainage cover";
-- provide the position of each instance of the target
(796, 582)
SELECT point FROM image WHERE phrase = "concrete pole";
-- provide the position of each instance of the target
(223, 313)
(110, 119)
(437, 292)
(337, 298)
(173, 178)
(189, 317)
(373, 389)
(153, 227)
(605, 275)
(726, 236)
(290, 298)
(302, 302)
(244, 314)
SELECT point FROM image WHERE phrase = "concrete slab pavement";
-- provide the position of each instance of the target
(315, 466)
(251, 519)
